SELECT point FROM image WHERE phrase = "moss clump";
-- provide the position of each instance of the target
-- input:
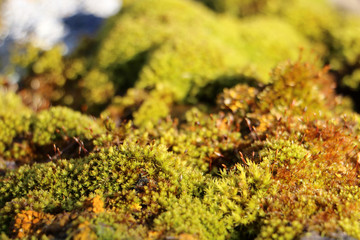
(27, 136)
(136, 180)
(192, 218)
(306, 194)
(14, 125)
(239, 192)
(333, 33)
(162, 60)
(163, 45)
(59, 123)
(260, 166)
(285, 152)
(108, 225)
(315, 20)
(346, 53)
(212, 49)
(298, 88)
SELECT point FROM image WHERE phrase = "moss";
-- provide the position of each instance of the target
(236, 7)
(154, 108)
(61, 123)
(285, 152)
(352, 81)
(332, 33)
(97, 87)
(26, 135)
(315, 20)
(224, 51)
(26, 221)
(298, 180)
(239, 99)
(156, 51)
(148, 180)
(14, 125)
(280, 229)
(191, 217)
(259, 166)
(205, 142)
(108, 225)
(238, 193)
(302, 88)
(277, 157)
(346, 51)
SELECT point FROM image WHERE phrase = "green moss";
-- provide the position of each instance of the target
(14, 123)
(352, 81)
(238, 193)
(276, 158)
(303, 88)
(280, 229)
(312, 19)
(109, 225)
(332, 33)
(154, 108)
(25, 135)
(190, 216)
(149, 46)
(130, 176)
(155, 42)
(240, 172)
(285, 152)
(62, 123)
(212, 49)
(97, 88)
(346, 52)
(204, 142)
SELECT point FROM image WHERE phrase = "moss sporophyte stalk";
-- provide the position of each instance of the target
(187, 119)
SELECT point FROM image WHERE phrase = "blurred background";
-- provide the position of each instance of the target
(141, 56)
(45, 23)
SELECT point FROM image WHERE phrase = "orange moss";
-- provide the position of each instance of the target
(95, 205)
(27, 222)
(321, 189)
(185, 236)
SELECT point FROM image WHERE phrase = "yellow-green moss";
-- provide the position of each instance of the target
(61, 123)
(191, 216)
(170, 32)
(276, 158)
(181, 47)
(14, 123)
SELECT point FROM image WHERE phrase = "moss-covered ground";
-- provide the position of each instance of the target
(187, 119)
